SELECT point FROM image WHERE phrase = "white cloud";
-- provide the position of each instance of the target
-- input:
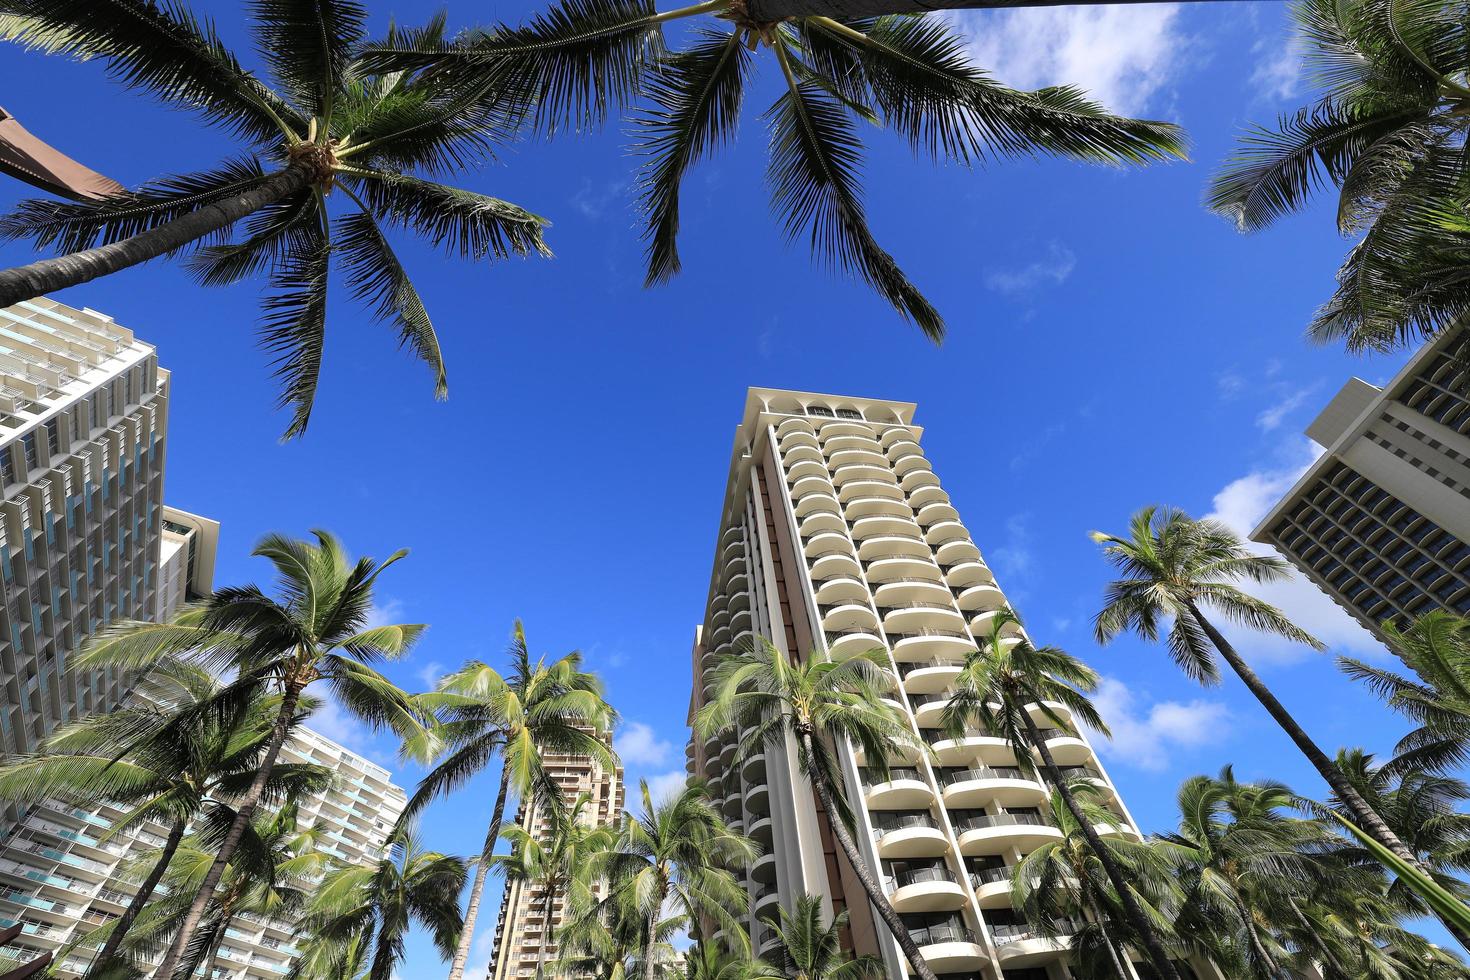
(1240, 506)
(1145, 736)
(1123, 56)
(666, 784)
(430, 673)
(386, 613)
(1054, 268)
(1230, 385)
(1014, 559)
(1278, 72)
(337, 724)
(482, 949)
(639, 745)
(1271, 418)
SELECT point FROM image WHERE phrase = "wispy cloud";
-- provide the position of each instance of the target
(1014, 559)
(639, 745)
(1272, 416)
(337, 724)
(1146, 736)
(1123, 56)
(1277, 76)
(1052, 269)
(593, 200)
(385, 613)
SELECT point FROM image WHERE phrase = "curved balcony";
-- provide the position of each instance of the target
(811, 484)
(931, 643)
(993, 886)
(753, 768)
(810, 503)
(929, 708)
(950, 948)
(737, 584)
(1066, 748)
(720, 637)
(955, 751)
(943, 532)
(841, 589)
(743, 640)
(981, 597)
(925, 890)
(966, 572)
(918, 613)
(845, 443)
(906, 463)
(868, 526)
(893, 544)
(848, 615)
(957, 550)
(927, 588)
(761, 832)
(733, 533)
(853, 489)
(1021, 945)
(907, 835)
(795, 424)
(824, 541)
(764, 869)
(874, 506)
(882, 570)
(998, 833)
(767, 901)
(803, 470)
(1093, 777)
(852, 472)
(931, 514)
(821, 520)
(758, 800)
(902, 788)
(924, 496)
(739, 621)
(834, 562)
(709, 658)
(898, 433)
(928, 676)
(727, 750)
(917, 479)
(730, 806)
(801, 452)
(842, 644)
(865, 455)
(842, 427)
(1006, 785)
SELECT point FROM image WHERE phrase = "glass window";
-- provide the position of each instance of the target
(7, 464)
(28, 444)
(53, 437)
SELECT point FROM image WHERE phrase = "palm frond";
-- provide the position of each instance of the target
(295, 326)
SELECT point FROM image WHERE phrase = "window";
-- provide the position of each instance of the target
(28, 445)
(53, 437)
(76, 423)
(819, 410)
(7, 464)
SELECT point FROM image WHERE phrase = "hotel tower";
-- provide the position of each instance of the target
(1381, 521)
(527, 930)
(836, 537)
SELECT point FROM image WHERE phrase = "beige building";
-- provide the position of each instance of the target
(1381, 521)
(185, 560)
(527, 928)
(837, 537)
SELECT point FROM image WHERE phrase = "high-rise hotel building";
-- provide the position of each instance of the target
(1381, 521)
(527, 930)
(836, 537)
(83, 424)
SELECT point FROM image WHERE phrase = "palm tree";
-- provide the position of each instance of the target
(323, 124)
(679, 854)
(358, 920)
(1174, 567)
(558, 858)
(586, 58)
(206, 761)
(812, 950)
(539, 707)
(269, 876)
(1246, 869)
(317, 631)
(712, 961)
(1388, 133)
(1436, 648)
(1001, 684)
(1064, 880)
(765, 699)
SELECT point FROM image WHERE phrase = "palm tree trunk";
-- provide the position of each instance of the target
(770, 10)
(546, 935)
(145, 891)
(472, 911)
(213, 957)
(1102, 924)
(1365, 815)
(1151, 943)
(29, 281)
(246, 810)
(650, 971)
(1268, 962)
(876, 898)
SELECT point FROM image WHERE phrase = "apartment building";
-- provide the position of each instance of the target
(837, 537)
(527, 930)
(59, 872)
(83, 434)
(185, 562)
(1381, 521)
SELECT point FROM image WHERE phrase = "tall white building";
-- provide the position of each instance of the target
(836, 537)
(83, 436)
(185, 560)
(59, 877)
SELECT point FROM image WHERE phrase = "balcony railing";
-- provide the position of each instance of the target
(918, 876)
(1007, 933)
(886, 823)
(943, 932)
(949, 777)
(907, 667)
(875, 777)
(983, 821)
(988, 876)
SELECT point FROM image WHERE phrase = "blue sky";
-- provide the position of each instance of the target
(1111, 345)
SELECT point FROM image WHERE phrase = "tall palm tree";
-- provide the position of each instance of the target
(811, 949)
(676, 854)
(586, 58)
(1436, 649)
(317, 631)
(538, 707)
(712, 961)
(269, 875)
(1064, 880)
(358, 920)
(194, 774)
(559, 859)
(1003, 681)
(764, 698)
(1173, 568)
(1388, 133)
(322, 124)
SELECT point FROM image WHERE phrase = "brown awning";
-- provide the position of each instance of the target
(26, 158)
